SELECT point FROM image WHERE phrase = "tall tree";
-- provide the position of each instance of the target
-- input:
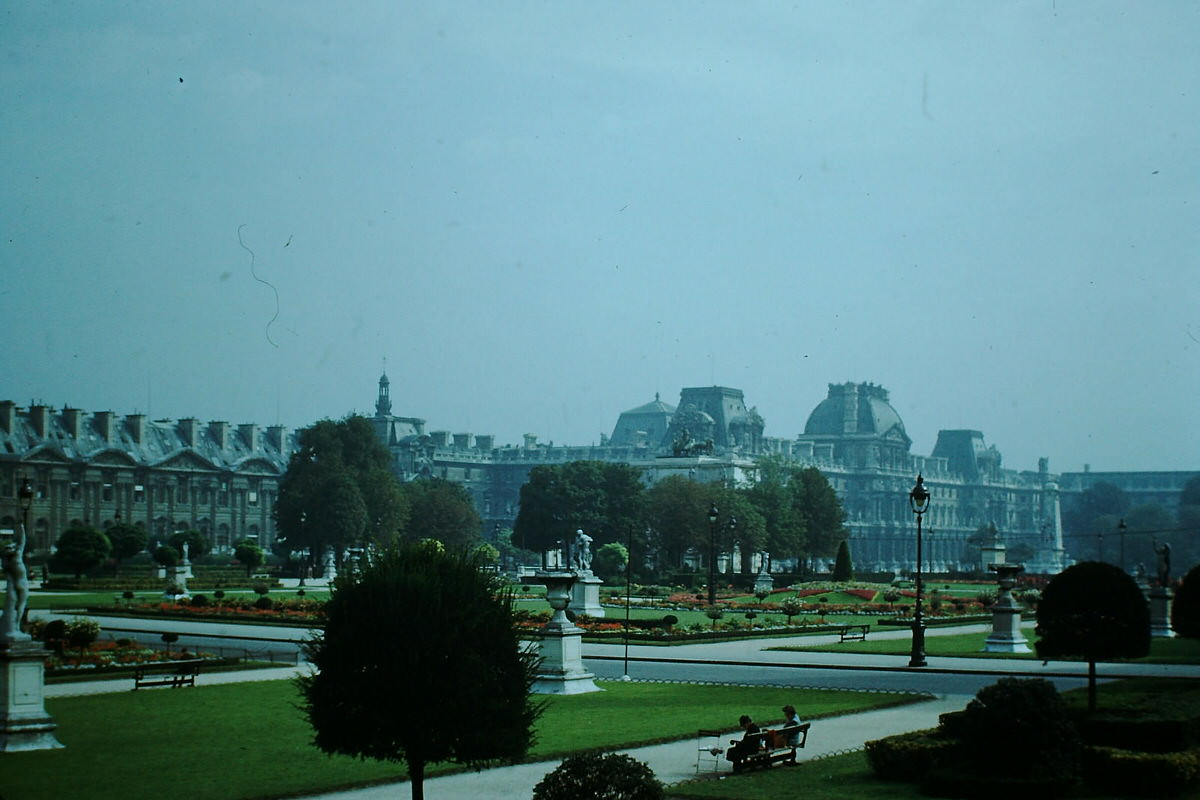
(843, 567)
(80, 548)
(602, 498)
(1094, 513)
(772, 497)
(677, 511)
(817, 503)
(339, 491)
(441, 510)
(419, 662)
(1092, 611)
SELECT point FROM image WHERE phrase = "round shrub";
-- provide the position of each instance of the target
(264, 603)
(219, 594)
(598, 776)
(1020, 728)
(199, 601)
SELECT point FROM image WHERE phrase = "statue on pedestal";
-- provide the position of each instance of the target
(1164, 563)
(16, 595)
(581, 552)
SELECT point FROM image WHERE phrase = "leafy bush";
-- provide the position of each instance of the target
(1119, 772)
(1020, 728)
(909, 756)
(199, 601)
(598, 776)
(264, 603)
(1185, 610)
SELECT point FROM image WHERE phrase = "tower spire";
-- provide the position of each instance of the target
(383, 405)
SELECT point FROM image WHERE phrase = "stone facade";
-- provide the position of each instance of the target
(854, 437)
(162, 475)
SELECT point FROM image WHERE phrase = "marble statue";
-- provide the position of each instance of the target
(581, 553)
(12, 560)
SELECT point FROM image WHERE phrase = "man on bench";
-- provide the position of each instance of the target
(759, 748)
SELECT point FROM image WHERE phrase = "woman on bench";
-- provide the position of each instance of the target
(750, 742)
(791, 723)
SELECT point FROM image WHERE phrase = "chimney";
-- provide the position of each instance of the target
(136, 425)
(485, 442)
(8, 415)
(73, 419)
(277, 439)
(440, 438)
(530, 441)
(219, 431)
(39, 418)
(249, 434)
(462, 441)
(189, 431)
(103, 421)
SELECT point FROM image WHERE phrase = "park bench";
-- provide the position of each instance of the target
(167, 673)
(770, 747)
(854, 632)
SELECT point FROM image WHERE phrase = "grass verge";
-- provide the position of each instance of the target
(970, 645)
(251, 740)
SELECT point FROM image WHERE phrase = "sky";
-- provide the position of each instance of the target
(538, 215)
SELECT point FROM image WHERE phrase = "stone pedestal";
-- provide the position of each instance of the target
(24, 723)
(1006, 636)
(179, 576)
(1160, 613)
(561, 647)
(763, 583)
(585, 595)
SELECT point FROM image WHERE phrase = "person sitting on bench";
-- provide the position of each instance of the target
(749, 743)
(791, 723)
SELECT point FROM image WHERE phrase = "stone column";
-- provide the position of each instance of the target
(24, 723)
(561, 645)
(1006, 636)
(1160, 613)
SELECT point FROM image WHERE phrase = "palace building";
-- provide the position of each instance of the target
(172, 475)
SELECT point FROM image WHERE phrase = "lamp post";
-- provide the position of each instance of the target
(918, 500)
(25, 497)
(1121, 531)
(713, 515)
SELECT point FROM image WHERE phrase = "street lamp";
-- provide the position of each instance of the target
(1121, 531)
(25, 497)
(918, 500)
(713, 514)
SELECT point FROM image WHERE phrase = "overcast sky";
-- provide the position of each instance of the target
(542, 213)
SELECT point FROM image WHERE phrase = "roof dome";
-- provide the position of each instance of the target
(854, 408)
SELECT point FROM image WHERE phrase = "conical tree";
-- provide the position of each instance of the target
(843, 567)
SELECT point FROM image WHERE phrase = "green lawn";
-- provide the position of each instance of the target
(250, 740)
(970, 645)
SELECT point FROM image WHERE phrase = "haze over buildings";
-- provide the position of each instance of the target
(544, 213)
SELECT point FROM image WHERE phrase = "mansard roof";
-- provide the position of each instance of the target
(39, 433)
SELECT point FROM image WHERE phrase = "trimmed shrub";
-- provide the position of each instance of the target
(909, 756)
(264, 603)
(1110, 771)
(199, 601)
(1019, 728)
(599, 776)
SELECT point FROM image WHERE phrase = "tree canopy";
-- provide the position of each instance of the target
(419, 661)
(127, 540)
(441, 510)
(1093, 611)
(81, 547)
(339, 490)
(602, 498)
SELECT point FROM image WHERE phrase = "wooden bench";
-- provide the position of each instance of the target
(854, 633)
(769, 747)
(167, 673)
